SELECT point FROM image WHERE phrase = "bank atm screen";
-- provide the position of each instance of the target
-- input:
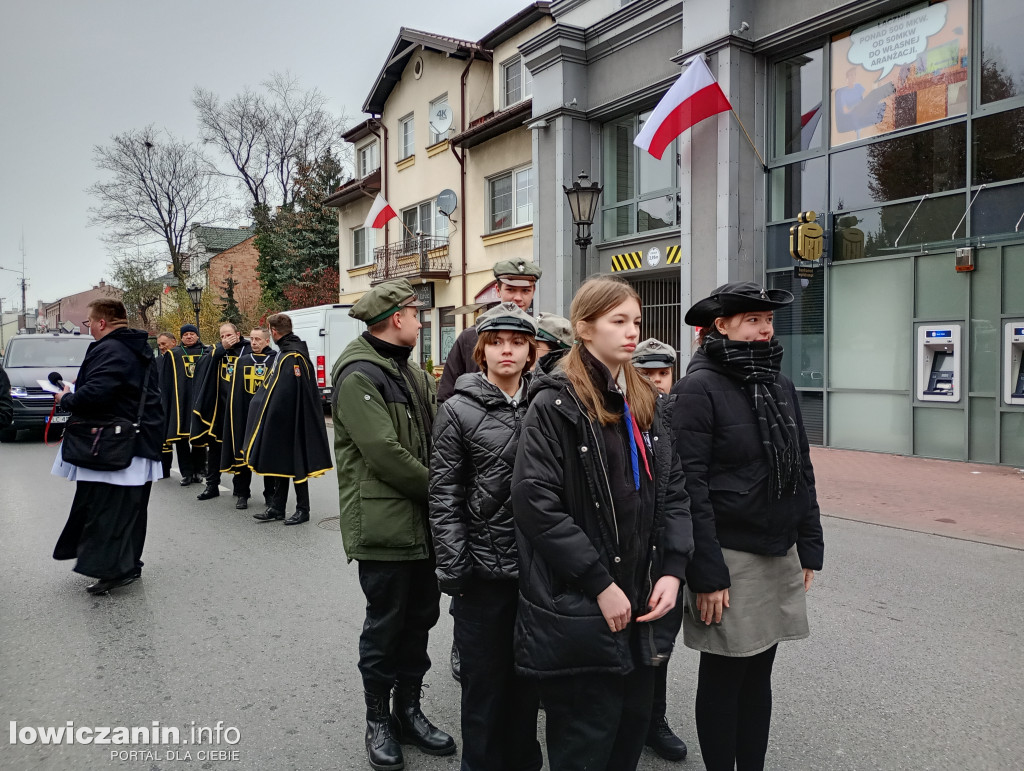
(937, 333)
(943, 362)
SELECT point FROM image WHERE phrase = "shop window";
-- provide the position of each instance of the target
(406, 137)
(1002, 57)
(998, 147)
(899, 71)
(362, 247)
(510, 198)
(798, 187)
(447, 332)
(800, 327)
(641, 193)
(903, 167)
(798, 103)
(998, 210)
(874, 232)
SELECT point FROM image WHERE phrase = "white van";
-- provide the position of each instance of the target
(326, 329)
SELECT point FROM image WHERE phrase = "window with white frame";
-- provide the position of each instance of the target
(406, 137)
(367, 159)
(425, 218)
(362, 247)
(510, 197)
(439, 110)
(516, 82)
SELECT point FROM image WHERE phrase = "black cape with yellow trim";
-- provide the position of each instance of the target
(177, 381)
(214, 389)
(285, 434)
(251, 370)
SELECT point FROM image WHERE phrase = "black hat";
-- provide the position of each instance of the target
(507, 317)
(737, 297)
(188, 328)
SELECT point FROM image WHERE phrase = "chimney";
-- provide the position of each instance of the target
(102, 282)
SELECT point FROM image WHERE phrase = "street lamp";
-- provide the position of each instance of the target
(583, 199)
(195, 294)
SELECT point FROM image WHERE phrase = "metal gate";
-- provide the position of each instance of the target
(661, 313)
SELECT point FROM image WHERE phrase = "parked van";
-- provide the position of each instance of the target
(326, 329)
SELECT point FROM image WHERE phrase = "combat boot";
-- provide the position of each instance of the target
(411, 726)
(382, 749)
(663, 741)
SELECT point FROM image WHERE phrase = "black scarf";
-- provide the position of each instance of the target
(756, 364)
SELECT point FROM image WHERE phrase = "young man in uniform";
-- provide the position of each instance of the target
(285, 407)
(250, 370)
(177, 378)
(384, 407)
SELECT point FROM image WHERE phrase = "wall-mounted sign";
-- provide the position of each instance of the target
(901, 70)
(806, 238)
(654, 257)
(425, 293)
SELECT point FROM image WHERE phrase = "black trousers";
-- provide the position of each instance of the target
(213, 451)
(279, 495)
(106, 529)
(243, 486)
(734, 710)
(659, 702)
(499, 708)
(403, 603)
(597, 722)
(190, 459)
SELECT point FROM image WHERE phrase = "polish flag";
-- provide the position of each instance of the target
(692, 98)
(380, 213)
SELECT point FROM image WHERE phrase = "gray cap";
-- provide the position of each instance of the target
(554, 330)
(653, 354)
(383, 300)
(506, 317)
(517, 272)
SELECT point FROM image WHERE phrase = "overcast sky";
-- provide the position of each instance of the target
(73, 73)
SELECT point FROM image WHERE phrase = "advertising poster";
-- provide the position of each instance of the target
(899, 71)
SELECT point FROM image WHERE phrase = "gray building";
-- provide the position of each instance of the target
(896, 128)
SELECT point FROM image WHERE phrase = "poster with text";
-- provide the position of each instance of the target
(902, 70)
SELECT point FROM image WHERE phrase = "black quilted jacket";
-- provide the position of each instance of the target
(476, 434)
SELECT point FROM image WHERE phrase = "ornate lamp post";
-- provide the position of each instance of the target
(583, 200)
(195, 294)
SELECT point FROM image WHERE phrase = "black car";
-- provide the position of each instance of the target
(30, 359)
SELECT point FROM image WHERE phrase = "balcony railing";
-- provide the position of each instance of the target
(421, 257)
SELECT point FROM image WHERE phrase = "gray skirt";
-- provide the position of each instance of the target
(767, 605)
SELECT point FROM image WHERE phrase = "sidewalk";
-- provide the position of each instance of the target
(970, 501)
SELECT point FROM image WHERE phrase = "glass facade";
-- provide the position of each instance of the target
(908, 145)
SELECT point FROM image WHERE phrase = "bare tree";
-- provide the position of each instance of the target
(158, 186)
(137, 276)
(265, 136)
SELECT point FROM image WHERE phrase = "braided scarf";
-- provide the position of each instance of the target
(756, 364)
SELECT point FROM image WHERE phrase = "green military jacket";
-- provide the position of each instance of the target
(382, 450)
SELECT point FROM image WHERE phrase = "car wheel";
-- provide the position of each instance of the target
(8, 435)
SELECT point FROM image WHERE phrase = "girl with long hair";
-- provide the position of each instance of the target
(602, 523)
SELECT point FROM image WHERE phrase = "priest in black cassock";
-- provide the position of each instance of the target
(177, 379)
(251, 369)
(286, 434)
(211, 402)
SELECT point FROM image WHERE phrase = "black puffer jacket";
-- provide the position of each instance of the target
(476, 434)
(109, 385)
(727, 476)
(568, 549)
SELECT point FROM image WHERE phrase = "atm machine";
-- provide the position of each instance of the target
(938, 363)
(1013, 362)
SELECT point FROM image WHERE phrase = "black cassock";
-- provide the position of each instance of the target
(213, 381)
(285, 434)
(178, 370)
(250, 370)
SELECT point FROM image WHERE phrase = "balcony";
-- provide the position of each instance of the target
(425, 257)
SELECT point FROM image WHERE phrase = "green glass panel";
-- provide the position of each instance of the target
(798, 187)
(984, 326)
(879, 422)
(870, 325)
(800, 327)
(941, 291)
(1013, 283)
(983, 443)
(1011, 439)
(939, 433)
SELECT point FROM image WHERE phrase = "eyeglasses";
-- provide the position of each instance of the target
(87, 323)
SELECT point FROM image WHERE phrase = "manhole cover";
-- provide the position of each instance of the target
(329, 523)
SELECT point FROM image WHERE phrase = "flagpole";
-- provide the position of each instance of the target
(764, 166)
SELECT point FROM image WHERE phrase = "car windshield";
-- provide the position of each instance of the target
(47, 351)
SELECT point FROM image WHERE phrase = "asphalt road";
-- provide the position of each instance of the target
(915, 659)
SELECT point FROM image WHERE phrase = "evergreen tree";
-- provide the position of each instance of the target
(231, 311)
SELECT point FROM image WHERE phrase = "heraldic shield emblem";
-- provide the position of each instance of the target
(227, 369)
(190, 364)
(254, 375)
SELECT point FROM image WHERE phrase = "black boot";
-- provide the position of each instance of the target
(456, 664)
(665, 743)
(382, 749)
(411, 725)
(211, 491)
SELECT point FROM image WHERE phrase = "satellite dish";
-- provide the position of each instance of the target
(441, 118)
(446, 202)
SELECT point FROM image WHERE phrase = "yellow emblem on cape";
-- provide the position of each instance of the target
(227, 367)
(253, 377)
(806, 238)
(190, 364)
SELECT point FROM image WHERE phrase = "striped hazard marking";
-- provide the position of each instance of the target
(635, 260)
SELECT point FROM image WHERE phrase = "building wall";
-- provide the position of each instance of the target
(75, 307)
(240, 262)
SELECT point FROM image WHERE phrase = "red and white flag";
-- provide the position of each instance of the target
(692, 98)
(380, 213)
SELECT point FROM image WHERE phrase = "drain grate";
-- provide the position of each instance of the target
(330, 523)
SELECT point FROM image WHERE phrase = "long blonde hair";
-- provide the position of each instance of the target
(594, 299)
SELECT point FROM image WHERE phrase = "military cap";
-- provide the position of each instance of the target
(383, 300)
(506, 317)
(653, 354)
(554, 330)
(737, 297)
(517, 272)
